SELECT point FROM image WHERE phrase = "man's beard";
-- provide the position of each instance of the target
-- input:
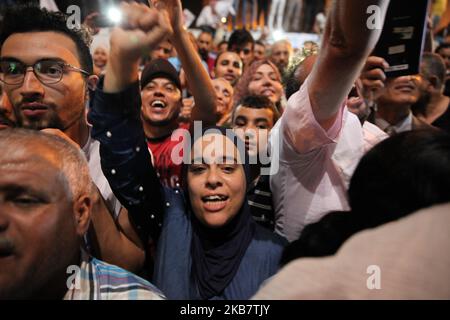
(51, 120)
(282, 68)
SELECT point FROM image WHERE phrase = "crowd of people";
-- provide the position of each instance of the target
(177, 165)
(289, 15)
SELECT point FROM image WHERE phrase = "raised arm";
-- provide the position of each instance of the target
(198, 79)
(143, 28)
(346, 45)
(115, 116)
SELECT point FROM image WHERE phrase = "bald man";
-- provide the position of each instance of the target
(46, 200)
(281, 53)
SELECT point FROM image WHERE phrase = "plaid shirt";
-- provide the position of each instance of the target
(97, 280)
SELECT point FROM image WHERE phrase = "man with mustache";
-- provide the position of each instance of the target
(281, 53)
(45, 209)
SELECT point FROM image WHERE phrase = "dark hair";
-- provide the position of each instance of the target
(222, 42)
(207, 29)
(220, 54)
(259, 42)
(322, 238)
(442, 46)
(27, 18)
(239, 38)
(257, 102)
(399, 176)
(433, 65)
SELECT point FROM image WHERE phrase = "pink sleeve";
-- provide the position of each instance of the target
(300, 128)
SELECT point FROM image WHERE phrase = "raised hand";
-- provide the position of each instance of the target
(372, 78)
(174, 11)
(141, 30)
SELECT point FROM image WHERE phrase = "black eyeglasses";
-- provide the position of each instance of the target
(47, 71)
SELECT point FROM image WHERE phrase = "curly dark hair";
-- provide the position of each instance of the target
(29, 18)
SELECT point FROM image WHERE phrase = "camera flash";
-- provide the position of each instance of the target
(115, 15)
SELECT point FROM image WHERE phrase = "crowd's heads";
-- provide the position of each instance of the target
(228, 65)
(444, 51)
(46, 201)
(281, 53)
(260, 78)
(55, 93)
(160, 93)
(164, 50)
(241, 41)
(253, 118)
(224, 94)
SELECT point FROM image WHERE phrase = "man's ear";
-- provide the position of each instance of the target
(434, 82)
(82, 208)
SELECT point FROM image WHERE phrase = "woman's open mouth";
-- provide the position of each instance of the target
(214, 203)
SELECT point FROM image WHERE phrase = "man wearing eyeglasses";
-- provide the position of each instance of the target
(46, 71)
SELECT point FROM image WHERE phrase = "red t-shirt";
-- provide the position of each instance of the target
(169, 173)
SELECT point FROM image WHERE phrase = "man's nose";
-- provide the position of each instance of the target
(31, 84)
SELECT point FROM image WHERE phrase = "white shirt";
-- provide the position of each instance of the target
(311, 168)
(92, 151)
(403, 125)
